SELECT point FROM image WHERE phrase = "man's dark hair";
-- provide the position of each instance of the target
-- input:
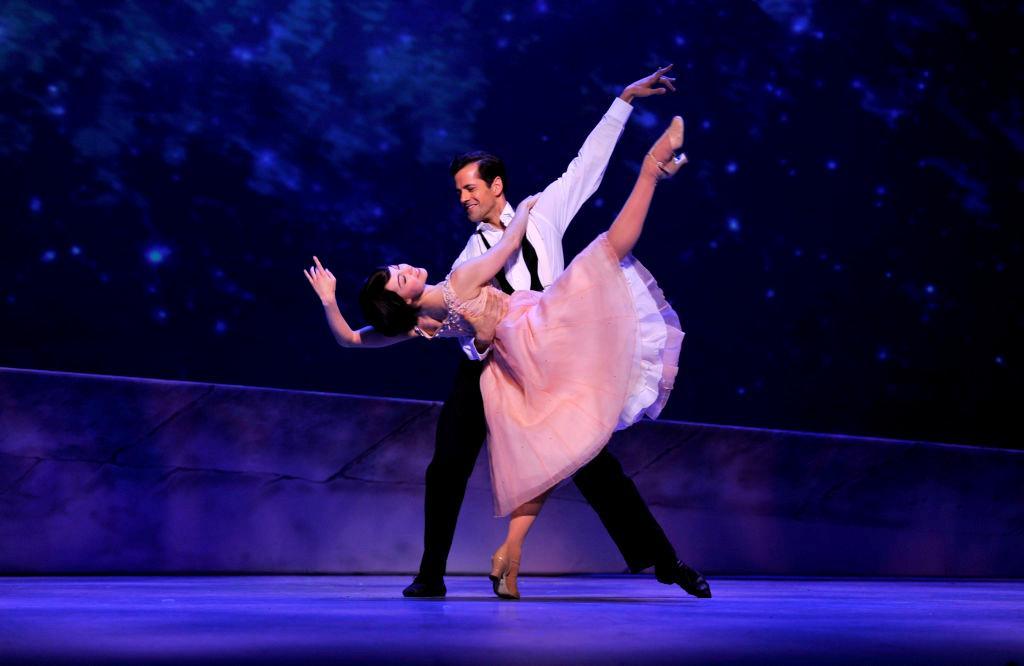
(385, 310)
(489, 166)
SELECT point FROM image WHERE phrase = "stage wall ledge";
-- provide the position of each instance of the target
(122, 475)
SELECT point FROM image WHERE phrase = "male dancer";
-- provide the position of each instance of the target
(461, 430)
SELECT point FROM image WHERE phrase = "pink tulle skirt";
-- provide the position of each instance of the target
(592, 354)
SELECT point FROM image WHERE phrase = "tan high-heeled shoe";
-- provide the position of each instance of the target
(671, 163)
(503, 576)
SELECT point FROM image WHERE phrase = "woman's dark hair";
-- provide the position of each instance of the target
(488, 166)
(385, 310)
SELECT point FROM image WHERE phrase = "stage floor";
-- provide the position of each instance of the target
(584, 620)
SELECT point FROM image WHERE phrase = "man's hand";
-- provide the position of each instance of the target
(655, 84)
(485, 322)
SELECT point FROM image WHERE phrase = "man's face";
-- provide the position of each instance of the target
(479, 199)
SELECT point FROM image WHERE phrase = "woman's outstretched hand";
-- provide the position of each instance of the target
(527, 204)
(322, 281)
(517, 226)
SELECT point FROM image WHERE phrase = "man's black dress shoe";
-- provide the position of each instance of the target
(420, 588)
(685, 577)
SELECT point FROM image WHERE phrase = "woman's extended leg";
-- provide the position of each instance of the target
(505, 563)
(659, 163)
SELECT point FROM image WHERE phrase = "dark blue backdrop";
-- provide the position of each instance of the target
(842, 248)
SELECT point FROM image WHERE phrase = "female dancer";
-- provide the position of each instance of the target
(592, 354)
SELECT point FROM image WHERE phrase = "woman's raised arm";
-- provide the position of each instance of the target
(324, 284)
(471, 275)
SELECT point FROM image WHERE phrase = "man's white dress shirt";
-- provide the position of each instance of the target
(554, 210)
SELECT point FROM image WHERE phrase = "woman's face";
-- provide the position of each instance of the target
(406, 281)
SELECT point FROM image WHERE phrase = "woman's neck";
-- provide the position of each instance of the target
(431, 302)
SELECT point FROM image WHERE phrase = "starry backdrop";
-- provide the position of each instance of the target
(842, 248)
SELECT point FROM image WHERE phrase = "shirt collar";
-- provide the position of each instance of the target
(507, 213)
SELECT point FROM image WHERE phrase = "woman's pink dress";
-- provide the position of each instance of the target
(590, 355)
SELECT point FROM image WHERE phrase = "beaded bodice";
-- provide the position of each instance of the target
(464, 316)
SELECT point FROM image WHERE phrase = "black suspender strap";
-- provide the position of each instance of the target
(529, 256)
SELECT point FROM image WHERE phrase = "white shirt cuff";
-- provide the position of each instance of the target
(469, 348)
(481, 355)
(620, 110)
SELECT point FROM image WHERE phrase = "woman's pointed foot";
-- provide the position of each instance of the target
(663, 152)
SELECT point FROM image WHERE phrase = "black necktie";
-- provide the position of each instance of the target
(529, 256)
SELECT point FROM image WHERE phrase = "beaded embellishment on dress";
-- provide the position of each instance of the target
(454, 324)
